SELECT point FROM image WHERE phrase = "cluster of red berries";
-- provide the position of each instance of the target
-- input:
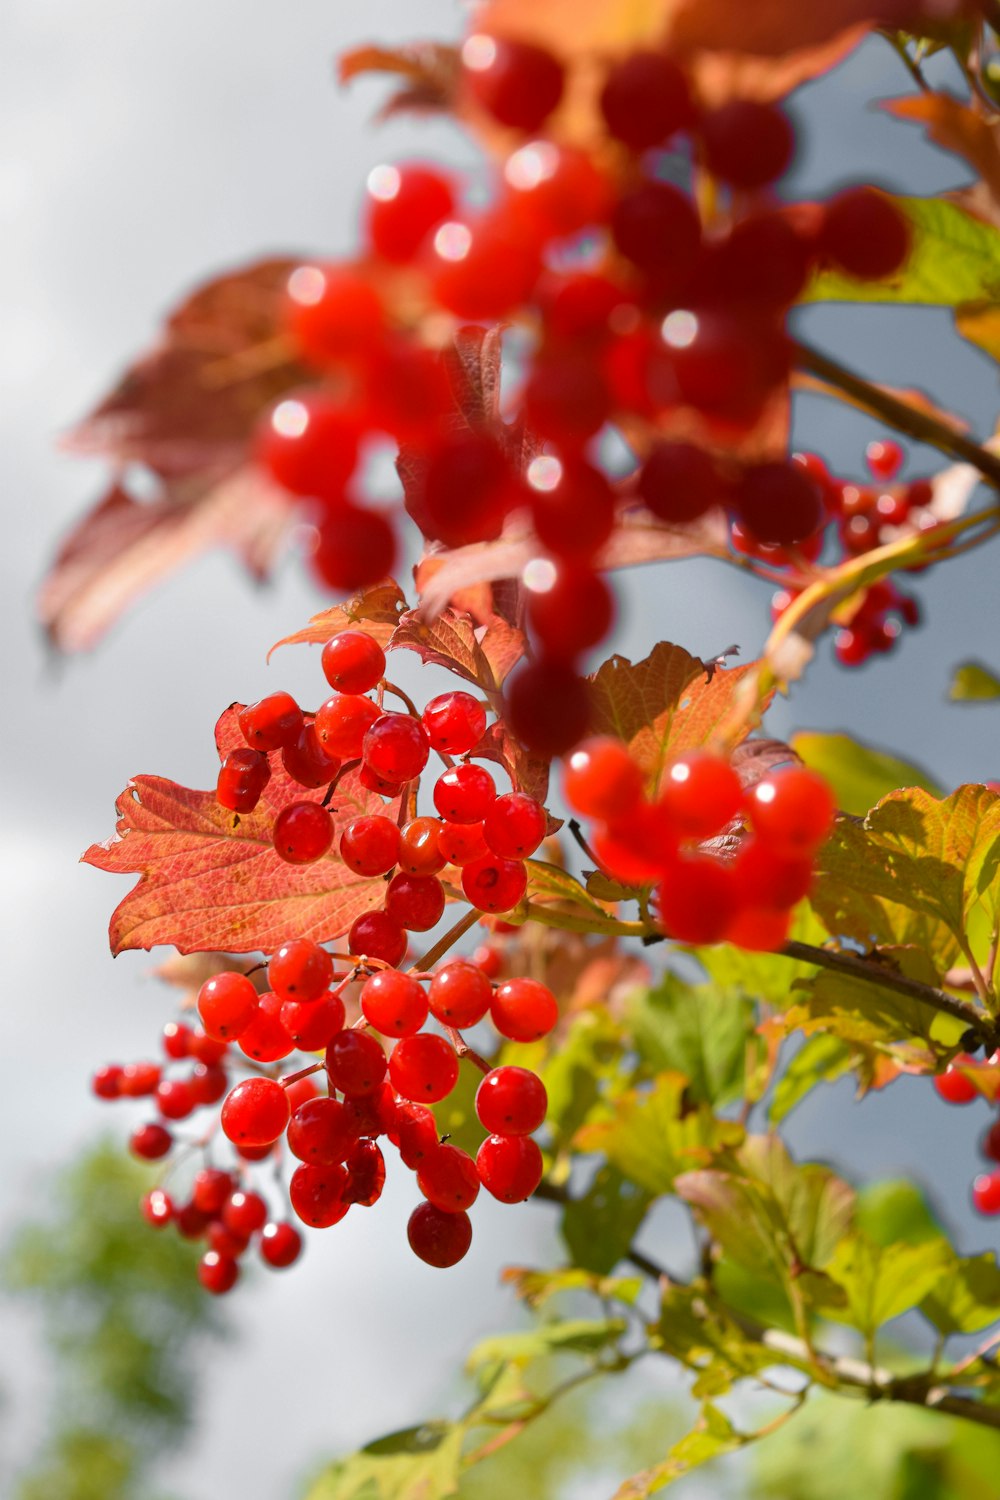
(333, 1132)
(700, 897)
(857, 518)
(955, 1087)
(643, 318)
(484, 836)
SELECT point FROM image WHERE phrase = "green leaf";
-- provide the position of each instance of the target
(600, 1226)
(823, 1058)
(657, 1133)
(535, 1288)
(865, 1016)
(585, 1336)
(955, 259)
(859, 774)
(456, 1114)
(695, 1328)
(896, 1210)
(764, 977)
(418, 1463)
(582, 1074)
(706, 1033)
(713, 1436)
(557, 899)
(882, 1281)
(968, 1297)
(972, 683)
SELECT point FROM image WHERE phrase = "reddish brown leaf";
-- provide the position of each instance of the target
(124, 546)
(956, 127)
(377, 612)
(430, 70)
(482, 654)
(210, 879)
(663, 704)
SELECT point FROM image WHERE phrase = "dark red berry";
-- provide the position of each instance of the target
(548, 707)
(217, 1273)
(355, 1062)
(747, 144)
(573, 610)
(322, 1132)
(376, 935)
(419, 847)
(354, 548)
(416, 902)
(272, 722)
(656, 227)
(459, 994)
(403, 204)
(243, 776)
(779, 503)
(493, 884)
(679, 482)
(396, 747)
(306, 760)
(865, 234)
(423, 1068)
(516, 82)
(646, 100)
(150, 1142)
(438, 1238)
(303, 833)
(514, 825)
(447, 1178)
(280, 1244)
(317, 1194)
(244, 1213)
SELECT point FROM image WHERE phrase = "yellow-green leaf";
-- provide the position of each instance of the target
(859, 774)
(973, 683)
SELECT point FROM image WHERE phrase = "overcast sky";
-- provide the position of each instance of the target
(142, 148)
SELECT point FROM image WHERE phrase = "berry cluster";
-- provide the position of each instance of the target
(700, 897)
(954, 1086)
(641, 316)
(380, 1076)
(858, 518)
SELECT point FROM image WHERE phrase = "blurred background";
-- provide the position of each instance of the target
(143, 149)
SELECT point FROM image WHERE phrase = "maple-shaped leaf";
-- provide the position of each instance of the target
(664, 704)
(210, 879)
(914, 872)
(376, 611)
(483, 655)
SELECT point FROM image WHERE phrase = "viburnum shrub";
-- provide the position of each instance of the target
(583, 360)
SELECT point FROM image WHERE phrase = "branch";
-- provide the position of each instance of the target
(919, 425)
(889, 979)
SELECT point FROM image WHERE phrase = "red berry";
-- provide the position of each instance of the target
(440, 1239)
(354, 548)
(576, 515)
(454, 723)
(494, 884)
(482, 269)
(300, 970)
(191, 1222)
(139, 1079)
(759, 929)
(511, 1101)
(447, 1178)
(780, 503)
(272, 722)
(308, 444)
(355, 1062)
(679, 482)
(416, 902)
(723, 361)
(464, 793)
(280, 1244)
(372, 1114)
(217, 1273)
(243, 776)
(524, 1010)
(307, 762)
(419, 851)
(175, 1098)
(404, 203)
(986, 1193)
(244, 1213)
(375, 783)
(395, 1004)
(370, 845)
(459, 994)
(884, 459)
(366, 1174)
(852, 647)
(396, 747)
(461, 843)
(227, 1003)
(656, 227)
(766, 879)
(176, 1039)
(353, 662)
(208, 1083)
(486, 959)
(514, 825)
(552, 191)
(646, 100)
(415, 1132)
(571, 611)
(990, 1145)
(423, 1068)
(565, 398)
(210, 1190)
(602, 780)
(376, 935)
(548, 707)
(255, 1112)
(157, 1208)
(865, 234)
(518, 83)
(697, 900)
(333, 313)
(322, 1132)
(700, 794)
(303, 833)
(792, 811)
(224, 1242)
(509, 1166)
(205, 1048)
(150, 1142)
(747, 144)
(317, 1195)
(465, 492)
(764, 260)
(312, 1025)
(343, 721)
(953, 1086)
(265, 1039)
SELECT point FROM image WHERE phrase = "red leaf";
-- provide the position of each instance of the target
(482, 654)
(431, 72)
(377, 612)
(123, 546)
(210, 879)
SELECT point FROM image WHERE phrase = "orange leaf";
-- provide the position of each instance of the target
(377, 612)
(955, 127)
(210, 879)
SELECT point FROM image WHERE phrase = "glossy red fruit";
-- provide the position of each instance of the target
(437, 1238)
(396, 747)
(211, 1189)
(270, 723)
(403, 204)
(700, 794)
(376, 935)
(217, 1273)
(516, 82)
(779, 503)
(601, 780)
(280, 1244)
(313, 1025)
(990, 1145)
(482, 269)
(139, 1079)
(548, 707)
(551, 191)
(759, 929)
(459, 994)
(209, 1083)
(176, 1039)
(986, 1193)
(265, 1038)
(865, 234)
(372, 1114)
(342, 723)
(656, 227)
(419, 847)
(679, 482)
(352, 662)
(447, 1177)
(244, 1213)
(333, 313)
(524, 1010)
(308, 444)
(317, 1195)
(416, 902)
(175, 1098)
(395, 1004)
(205, 1048)
(303, 833)
(763, 261)
(157, 1208)
(321, 1132)
(242, 778)
(300, 970)
(306, 760)
(766, 879)
(646, 100)
(953, 1086)
(792, 811)
(509, 1166)
(566, 399)
(415, 1132)
(466, 489)
(423, 1068)
(365, 1174)
(150, 1142)
(224, 1242)
(514, 825)
(573, 515)
(355, 1062)
(464, 793)
(884, 459)
(697, 900)
(354, 548)
(454, 723)
(493, 884)
(747, 144)
(462, 843)
(370, 845)
(570, 611)
(511, 1101)
(255, 1113)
